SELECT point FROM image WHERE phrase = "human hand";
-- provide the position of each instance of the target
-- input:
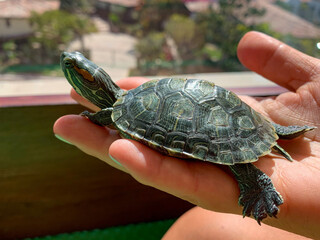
(209, 186)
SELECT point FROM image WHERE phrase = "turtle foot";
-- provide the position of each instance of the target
(85, 114)
(260, 201)
(258, 196)
(90, 116)
(101, 118)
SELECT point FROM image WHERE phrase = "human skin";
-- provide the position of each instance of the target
(209, 186)
(199, 223)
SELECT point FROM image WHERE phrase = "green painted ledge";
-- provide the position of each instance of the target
(140, 231)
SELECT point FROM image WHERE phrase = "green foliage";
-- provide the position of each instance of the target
(212, 52)
(151, 47)
(150, 52)
(187, 40)
(54, 30)
(114, 18)
(121, 19)
(188, 36)
(79, 6)
(9, 50)
(211, 36)
(8, 53)
(307, 46)
(52, 27)
(225, 26)
(154, 13)
(49, 70)
(237, 9)
(222, 27)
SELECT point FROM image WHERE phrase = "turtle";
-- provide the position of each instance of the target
(189, 119)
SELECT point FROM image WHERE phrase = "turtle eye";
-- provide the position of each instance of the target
(68, 63)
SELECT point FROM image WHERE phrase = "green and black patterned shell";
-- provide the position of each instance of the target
(193, 119)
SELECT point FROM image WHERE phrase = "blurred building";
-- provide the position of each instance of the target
(14, 16)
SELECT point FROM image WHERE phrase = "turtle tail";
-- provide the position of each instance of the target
(283, 152)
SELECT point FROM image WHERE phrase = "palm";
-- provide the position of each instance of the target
(209, 186)
(296, 181)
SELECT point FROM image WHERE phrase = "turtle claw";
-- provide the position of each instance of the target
(91, 117)
(85, 114)
(101, 118)
(260, 204)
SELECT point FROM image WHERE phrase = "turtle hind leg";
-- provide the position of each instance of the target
(291, 132)
(283, 152)
(258, 196)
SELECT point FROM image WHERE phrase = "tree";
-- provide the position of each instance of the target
(150, 49)
(187, 35)
(226, 24)
(54, 30)
(154, 13)
(79, 6)
(8, 54)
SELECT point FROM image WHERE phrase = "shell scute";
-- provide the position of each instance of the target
(200, 151)
(177, 83)
(218, 117)
(198, 89)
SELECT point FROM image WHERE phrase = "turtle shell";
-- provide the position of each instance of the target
(192, 118)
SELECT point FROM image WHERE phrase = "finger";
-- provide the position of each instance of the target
(277, 61)
(88, 137)
(131, 82)
(203, 224)
(198, 182)
(255, 103)
(84, 102)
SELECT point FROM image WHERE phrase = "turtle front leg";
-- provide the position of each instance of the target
(101, 118)
(257, 193)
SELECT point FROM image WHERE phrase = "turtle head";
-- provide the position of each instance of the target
(89, 80)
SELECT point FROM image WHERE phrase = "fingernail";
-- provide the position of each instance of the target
(62, 139)
(116, 161)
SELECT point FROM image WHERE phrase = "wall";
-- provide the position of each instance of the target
(16, 28)
(49, 187)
